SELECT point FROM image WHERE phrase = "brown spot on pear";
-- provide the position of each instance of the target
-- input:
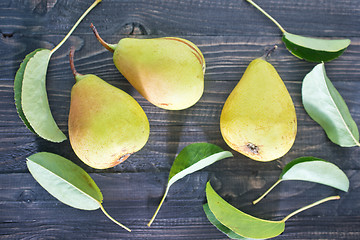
(258, 118)
(168, 72)
(106, 124)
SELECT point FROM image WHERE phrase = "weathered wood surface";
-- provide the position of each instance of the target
(230, 34)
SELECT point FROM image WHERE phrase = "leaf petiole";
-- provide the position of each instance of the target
(267, 15)
(310, 206)
(112, 219)
(76, 24)
(158, 208)
(271, 188)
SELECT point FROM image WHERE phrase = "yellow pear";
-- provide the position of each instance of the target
(258, 118)
(106, 124)
(168, 72)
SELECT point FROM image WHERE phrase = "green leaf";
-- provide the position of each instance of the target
(218, 224)
(325, 105)
(314, 49)
(34, 99)
(30, 91)
(309, 48)
(67, 182)
(192, 158)
(315, 170)
(244, 224)
(18, 88)
(239, 222)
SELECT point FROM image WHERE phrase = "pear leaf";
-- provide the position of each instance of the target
(244, 224)
(239, 222)
(34, 101)
(325, 105)
(30, 90)
(315, 170)
(309, 48)
(67, 182)
(18, 88)
(192, 158)
(314, 49)
(210, 216)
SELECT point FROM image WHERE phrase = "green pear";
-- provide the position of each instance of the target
(106, 125)
(168, 72)
(258, 118)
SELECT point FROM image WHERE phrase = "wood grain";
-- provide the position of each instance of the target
(230, 34)
(132, 197)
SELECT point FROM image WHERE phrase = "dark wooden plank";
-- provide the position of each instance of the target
(161, 17)
(29, 211)
(226, 57)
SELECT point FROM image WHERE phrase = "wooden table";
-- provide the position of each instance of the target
(230, 34)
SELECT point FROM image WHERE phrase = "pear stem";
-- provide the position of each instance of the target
(267, 15)
(310, 206)
(73, 28)
(158, 208)
(72, 65)
(270, 51)
(105, 44)
(271, 188)
(71, 60)
(112, 219)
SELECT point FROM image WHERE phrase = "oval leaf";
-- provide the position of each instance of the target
(312, 169)
(325, 105)
(65, 180)
(192, 158)
(34, 99)
(18, 88)
(210, 216)
(316, 170)
(314, 49)
(246, 225)
(239, 222)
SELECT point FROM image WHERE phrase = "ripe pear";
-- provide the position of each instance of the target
(168, 71)
(258, 118)
(106, 124)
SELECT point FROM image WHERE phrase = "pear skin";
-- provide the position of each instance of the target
(168, 72)
(106, 124)
(258, 118)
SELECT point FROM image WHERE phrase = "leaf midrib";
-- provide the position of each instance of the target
(333, 102)
(176, 178)
(81, 191)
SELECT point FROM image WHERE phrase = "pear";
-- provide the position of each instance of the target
(258, 118)
(168, 71)
(106, 125)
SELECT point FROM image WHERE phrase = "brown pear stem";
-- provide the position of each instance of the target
(270, 51)
(105, 44)
(72, 66)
